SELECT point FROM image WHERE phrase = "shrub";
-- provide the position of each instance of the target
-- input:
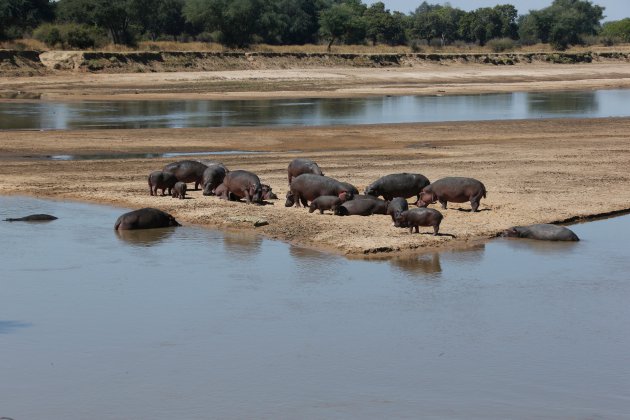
(498, 45)
(70, 36)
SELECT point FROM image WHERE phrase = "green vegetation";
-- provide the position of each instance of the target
(240, 23)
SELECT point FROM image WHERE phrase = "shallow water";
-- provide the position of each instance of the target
(45, 115)
(195, 324)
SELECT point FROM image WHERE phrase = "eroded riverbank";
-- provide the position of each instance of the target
(534, 171)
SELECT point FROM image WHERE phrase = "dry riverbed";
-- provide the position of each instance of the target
(534, 171)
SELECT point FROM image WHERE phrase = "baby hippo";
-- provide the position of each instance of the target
(542, 232)
(179, 190)
(396, 207)
(325, 202)
(420, 217)
(267, 193)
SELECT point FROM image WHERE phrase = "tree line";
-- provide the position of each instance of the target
(239, 23)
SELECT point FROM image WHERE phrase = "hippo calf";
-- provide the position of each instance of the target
(420, 217)
(212, 177)
(362, 207)
(307, 187)
(161, 180)
(242, 184)
(146, 218)
(397, 185)
(454, 189)
(325, 202)
(396, 207)
(267, 193)
(32, 218)
(187, 171)
(542, 232)
(300, 166)
(179, 190)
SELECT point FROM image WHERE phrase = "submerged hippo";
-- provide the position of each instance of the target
(212, 177)
(32, 218)
(187, 171)
(146, 218)
(307, 187)
(454, 189)
(396, 207)
(542, 232)
(362, 208)
(242, 184)
(161, 180)
(300, 166)
(397, 185)
(420, 217)
(179, 190)
(325, 202)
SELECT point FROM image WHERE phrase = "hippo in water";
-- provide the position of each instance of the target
(300, 166)
(33, 218)
(420, 217)
(187, 171)
(146, 218)
(307, 187)
(542, 232)
(397, 185)
(454, 189)
(243, 184)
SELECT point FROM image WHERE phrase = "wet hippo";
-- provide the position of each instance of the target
(300, 166)
(420, 217)
(325, 202)
(179, 190)
(146, 218)
(267, 193)
(212, 177)
(362, 208)
(454, 189)
(397, 206)
(187, 171)
(307, 187)
(397, 185)
(161, 180)
(543, 232)
(243, 184)
(32, 218)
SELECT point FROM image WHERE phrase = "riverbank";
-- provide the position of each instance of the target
(534, 171)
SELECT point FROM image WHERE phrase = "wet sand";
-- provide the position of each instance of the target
(535, 171)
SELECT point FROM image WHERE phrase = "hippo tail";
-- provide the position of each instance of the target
(484, 191)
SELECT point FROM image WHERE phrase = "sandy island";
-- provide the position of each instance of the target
(535, 170)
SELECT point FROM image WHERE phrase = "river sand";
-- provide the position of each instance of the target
(535, 171)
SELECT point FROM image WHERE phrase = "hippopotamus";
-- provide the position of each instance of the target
(300, 166)
(420, 217)
(211, 162)
(543, 232)
(32, 218)
(325, 202)
(212, 177)
(455, 189)
(179, 190)
(397, 206)
(398, 185)
(161, 180)
(350, 188)
(362, 208)
(187, 171)
(267, 193)
(307, 187)
(146, 218)
(243, 184)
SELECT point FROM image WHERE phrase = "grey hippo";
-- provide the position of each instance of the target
(146, 218)
(542, 232)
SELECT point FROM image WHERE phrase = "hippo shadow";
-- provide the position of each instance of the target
(470, 210)
(450, 235)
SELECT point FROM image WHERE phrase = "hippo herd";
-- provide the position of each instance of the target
(310, 188)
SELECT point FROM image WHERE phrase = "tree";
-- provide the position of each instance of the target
(343, 20)
(113, 15)
(436, 21)
(17, 16)
(617, 29)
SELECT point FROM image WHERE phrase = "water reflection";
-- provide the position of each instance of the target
(145, 237)
(242, 244)
(42, 115)
(7, 327)
(419, 264)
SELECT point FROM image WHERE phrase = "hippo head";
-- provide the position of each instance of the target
(426, 198)
(400, 220)
(340, 211)
(346, 196)
(510, 233)
(290, 199)
(207, 189)
(370, 190)
(315, 170)
(172, 221)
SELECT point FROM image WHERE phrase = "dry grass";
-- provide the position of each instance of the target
(24, 44)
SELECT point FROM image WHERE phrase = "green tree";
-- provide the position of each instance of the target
(343, 21)
(19, 16)
(617, 29)
(113, 15)
(158, 17)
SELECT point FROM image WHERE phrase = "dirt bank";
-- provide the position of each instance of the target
(535, 171)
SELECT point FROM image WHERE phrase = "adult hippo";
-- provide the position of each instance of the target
(243, 184)
(212, 177)
(454, 189)
(420, 217)
(307, 187)
(398, 185)
(211, 162)
(350, 188)
(542, 232)
(362, 208)
(146, 218)
(187, 171)
(32, 218)
(396, 207)
(300, 166)
(161, 180)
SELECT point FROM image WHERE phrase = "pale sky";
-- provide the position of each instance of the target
(615, 9)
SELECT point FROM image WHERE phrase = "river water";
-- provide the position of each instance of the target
(45, 115)
(195, 324)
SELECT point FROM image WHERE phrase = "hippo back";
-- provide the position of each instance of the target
(397, 185)
(310, 186)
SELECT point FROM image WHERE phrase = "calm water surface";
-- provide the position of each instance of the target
(196, 324)
(44, 115)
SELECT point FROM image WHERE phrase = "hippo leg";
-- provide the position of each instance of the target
(417, 229)
(163, 194)
(474, 203)
(436, 229)
(321, 211)
(196, 185)
(304, 201)
(443, 203)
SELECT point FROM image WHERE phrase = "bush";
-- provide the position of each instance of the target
(498, 45)
(70, 36)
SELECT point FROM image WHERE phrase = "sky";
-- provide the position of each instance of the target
(615, 9)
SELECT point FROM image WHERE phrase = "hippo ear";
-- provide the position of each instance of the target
(342, 195)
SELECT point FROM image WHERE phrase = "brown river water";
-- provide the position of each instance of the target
(190, 323)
